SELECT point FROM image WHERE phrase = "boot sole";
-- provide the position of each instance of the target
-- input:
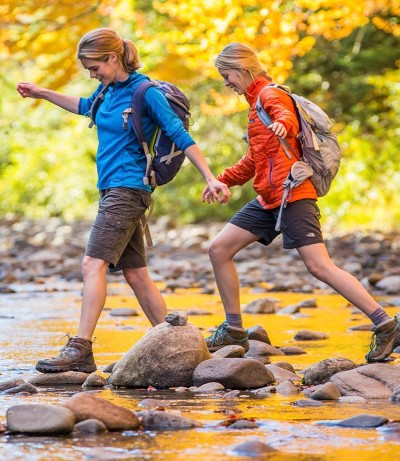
(59, 369)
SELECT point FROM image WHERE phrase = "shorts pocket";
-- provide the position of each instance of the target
(117, 222)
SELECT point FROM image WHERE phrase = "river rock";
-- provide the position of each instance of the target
(261, 306)
(292, 350)
(90, 427)
(155, 420)
(327, 391)
(280, 374)
(233, 373)
(232, 351)
(58, 379)
(177, 318)
(95, 380)
(10, 383)
(258, 333)
(287, 388)
(87, 406)
(40, 419)
(363, 421)
(24, 387)
(253, 448)
(307, 335)
(320, 372)
(164, 357)
(355, 383)
(124, 312)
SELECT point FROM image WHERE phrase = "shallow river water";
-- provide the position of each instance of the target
(35, 318)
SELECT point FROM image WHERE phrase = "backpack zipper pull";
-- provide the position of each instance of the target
(125, 115)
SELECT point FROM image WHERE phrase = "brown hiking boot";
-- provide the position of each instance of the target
(227, 335)
(384, 340)
(76, 355)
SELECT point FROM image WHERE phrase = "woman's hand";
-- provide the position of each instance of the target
(279, 129)
(216, 191)
(29, 90)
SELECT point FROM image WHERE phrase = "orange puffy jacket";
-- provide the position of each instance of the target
(266, 160)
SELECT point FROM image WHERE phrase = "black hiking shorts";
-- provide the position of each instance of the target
(117, 232)
(300, 224)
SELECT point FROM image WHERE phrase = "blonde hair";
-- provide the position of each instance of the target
(240, 58)
(99, 43)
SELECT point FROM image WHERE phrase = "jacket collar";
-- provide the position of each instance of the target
(254, 89)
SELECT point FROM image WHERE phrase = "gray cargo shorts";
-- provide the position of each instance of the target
(117, 232)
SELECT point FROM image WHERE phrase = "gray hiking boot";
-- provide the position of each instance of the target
(227, 335)
(384, 340)
(76, 355)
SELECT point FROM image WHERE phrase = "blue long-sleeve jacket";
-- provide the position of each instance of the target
(120, 160)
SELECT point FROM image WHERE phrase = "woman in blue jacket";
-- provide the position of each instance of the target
(116, 240)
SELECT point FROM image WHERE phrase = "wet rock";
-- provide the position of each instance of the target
(152, 403)
(87, 406)
(261, 351)
(258, 333)
(363, 421)
(229, 351)
(231, 395)
(389, 284)
(198, 312)
(24, 387)
(94, 380)
(58, 379)
(292, 350)
(261, 306)
(280, 374)
(253, 448)
(124, 312)
(182, 389)
(307, 335)
(289, 310)
(243, 424)
(321, 372)
(303, 403)
(287, 388)
(171, 365)
(177, 318)
(109, 368)
(327, 391)
(354, 383)
(90, 427)
(162, 421)
(365, 327)
(352, 399)
(264, 391)
(388, 375)
(233, 373)
(286, 366)
(10, 383)
(40, 419)
(209, 387)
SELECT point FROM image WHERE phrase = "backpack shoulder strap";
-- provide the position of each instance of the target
(135, 117)
(266, 119)
(95, 105)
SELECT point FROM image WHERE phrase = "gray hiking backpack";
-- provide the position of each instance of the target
(320, 149)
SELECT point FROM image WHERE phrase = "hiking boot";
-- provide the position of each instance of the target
(76, 355)
(227, 335)
(384, 340)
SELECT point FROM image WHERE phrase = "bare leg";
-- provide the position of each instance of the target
(94, 295)
(319, 264)
(222, 249)
(147, 293)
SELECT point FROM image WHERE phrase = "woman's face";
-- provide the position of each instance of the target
(232, 79)
(106, 72)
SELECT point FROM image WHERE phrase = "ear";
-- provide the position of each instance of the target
(113, 57)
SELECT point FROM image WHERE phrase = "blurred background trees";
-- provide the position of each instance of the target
(342, 55)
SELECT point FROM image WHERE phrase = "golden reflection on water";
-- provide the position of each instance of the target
(41, 320)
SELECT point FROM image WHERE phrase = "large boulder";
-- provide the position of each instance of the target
(319, 373)
(165, 357)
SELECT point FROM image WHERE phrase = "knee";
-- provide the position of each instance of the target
(319, 270)
(136, 277)
(217, 252)
(92, 265)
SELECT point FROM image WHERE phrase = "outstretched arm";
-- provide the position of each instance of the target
(31, 90)
(218, 190)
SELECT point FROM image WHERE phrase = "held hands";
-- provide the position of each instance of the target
(29, 90)
(216, 191)
(278, 129)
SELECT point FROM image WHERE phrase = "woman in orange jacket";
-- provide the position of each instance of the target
(267, 164)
